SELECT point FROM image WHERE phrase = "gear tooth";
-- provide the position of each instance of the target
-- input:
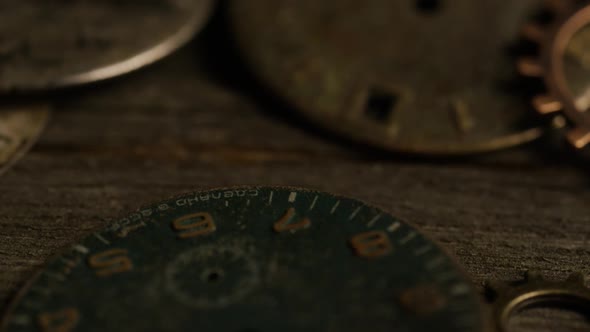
(577, 278)
(530, 67)
(579, 137)
(533, 32)
(547, 104)
(533, 276)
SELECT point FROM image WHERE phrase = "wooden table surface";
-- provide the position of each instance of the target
(196, 121)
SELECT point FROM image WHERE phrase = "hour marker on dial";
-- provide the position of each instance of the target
(530, 67)
(547, 104)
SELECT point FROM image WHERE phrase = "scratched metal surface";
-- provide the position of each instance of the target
(400, 75)
(196, 121)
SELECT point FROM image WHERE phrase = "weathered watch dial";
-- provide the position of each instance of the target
(251, 259)
(47, 44)
(431, 77)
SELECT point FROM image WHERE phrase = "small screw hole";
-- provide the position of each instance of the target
(380, 104)
(212, 276)
(428, 6)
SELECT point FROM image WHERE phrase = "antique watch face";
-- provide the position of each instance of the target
(49, 44)
(20, 126)
(431, 77)
(251, 259)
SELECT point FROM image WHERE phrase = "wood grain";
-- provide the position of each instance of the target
(174, 128)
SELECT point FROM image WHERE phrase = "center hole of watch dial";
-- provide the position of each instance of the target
(212, 275)
(380, 104)
(428, 6)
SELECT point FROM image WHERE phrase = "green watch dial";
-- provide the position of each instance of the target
(254, 259)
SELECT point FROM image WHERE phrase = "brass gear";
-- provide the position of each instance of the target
(510, 298)
(570, 110)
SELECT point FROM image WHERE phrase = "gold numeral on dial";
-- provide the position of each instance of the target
(288, 223)
(193, 225)
(372, 244)
(60, 321)
(110, 262)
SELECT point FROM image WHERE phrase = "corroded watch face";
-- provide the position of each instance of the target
(49, 44)
(251, 259)
(430, 77)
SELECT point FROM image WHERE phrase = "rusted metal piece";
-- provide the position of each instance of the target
(564, 64)
(534, 290)
(411, 76)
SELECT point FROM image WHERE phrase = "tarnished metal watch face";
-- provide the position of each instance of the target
(251, 259)
(19, 128)
(47, 44)
(417, 76)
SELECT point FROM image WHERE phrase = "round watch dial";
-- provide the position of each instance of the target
(251, 259)
(430, 77)
(49, 44)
